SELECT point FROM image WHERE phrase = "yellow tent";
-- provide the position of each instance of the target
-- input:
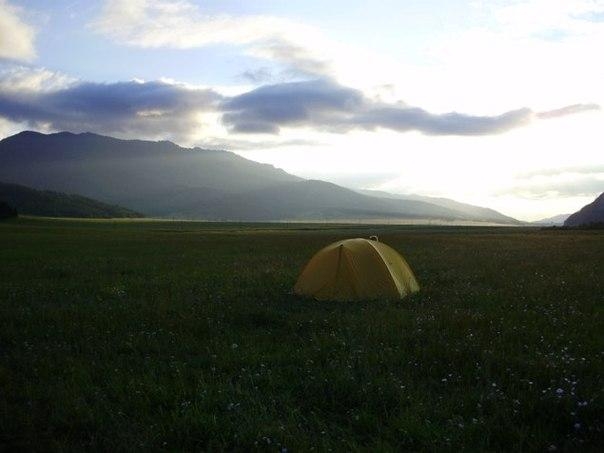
(355, 269)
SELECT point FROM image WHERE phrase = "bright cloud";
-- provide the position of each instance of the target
(538, 52)
(549, 19)
(16, 36)
(180, 24)
(23, 79)
(572, 181)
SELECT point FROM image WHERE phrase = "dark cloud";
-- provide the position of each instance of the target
(145, 108)
(266, 109)
(323, 104)
(403, 119)
(171, 111)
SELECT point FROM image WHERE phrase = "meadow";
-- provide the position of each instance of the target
(147, 335)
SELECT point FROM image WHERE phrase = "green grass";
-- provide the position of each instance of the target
(138, 335)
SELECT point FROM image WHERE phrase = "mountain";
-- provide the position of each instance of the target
(134, 173)
(55, 204)
(557, 220)
(316, 200)
(164, 180)
(468, 211)
(592, 213)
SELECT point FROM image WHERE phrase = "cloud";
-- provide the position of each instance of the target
(325, 105)
(301, 59)
(220, 143)
(180, 24)
(167, 109)
(149, 109)
(356, 180)
(529, 51)
(586, 186)
(23, 79)
(404, 119)
(257, 76)
(576, 169)
(547, 19)
(176, 24)
(266, 109)
(16, 36)
(569, 181)
(568, 110)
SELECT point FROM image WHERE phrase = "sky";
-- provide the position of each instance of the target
(497, 103)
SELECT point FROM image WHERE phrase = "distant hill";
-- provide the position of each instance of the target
(315, 200)
(6, 211)
(556, 220)
(469, 212)
(592, 213)
(55, 204)
(164, 180)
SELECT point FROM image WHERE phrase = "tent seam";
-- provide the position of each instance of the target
(383, 259)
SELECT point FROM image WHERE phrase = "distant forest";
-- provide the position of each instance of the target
(27, 201)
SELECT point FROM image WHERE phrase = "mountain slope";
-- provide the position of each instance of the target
(555, 220)
(589, 214)
(164, 180)
(128, 172)
(314, 200)
(55, 204)
(468, 211)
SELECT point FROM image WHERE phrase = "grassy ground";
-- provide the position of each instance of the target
(150, 335)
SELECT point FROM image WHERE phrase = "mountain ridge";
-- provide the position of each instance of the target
(592, 213)
(556, 220)
(476, 213)
(162, 179)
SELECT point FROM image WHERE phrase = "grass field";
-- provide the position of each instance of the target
(139, 335)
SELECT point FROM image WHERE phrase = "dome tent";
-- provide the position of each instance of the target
(355, 269)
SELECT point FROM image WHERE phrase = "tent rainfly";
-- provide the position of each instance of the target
(356, 269)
